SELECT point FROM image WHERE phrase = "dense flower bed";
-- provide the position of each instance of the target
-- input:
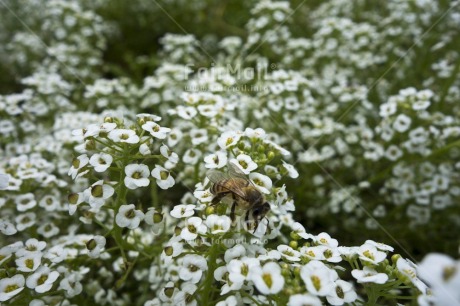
(341, 118)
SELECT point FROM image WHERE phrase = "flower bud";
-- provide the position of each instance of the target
(210, 210)
(293, 244)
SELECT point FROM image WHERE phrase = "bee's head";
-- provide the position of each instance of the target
(259, 212)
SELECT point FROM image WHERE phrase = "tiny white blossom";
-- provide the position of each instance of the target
(77, 164)
(244, 163)
(25, 201)
(262, 182)
(29, 262)
(218, 224)
(163, 177)
(183, 211)
(216, 160)
(292, 172)
(156, 130)
(95, 246)
(42, 280)
(342, 294)
(128, 216)
(9, 287)
(402, 123)
(304, 299)
(228, 139)
(369, 275)
(192, 268)
(318, 278)
(123, 136)
(194, 226)
(4, 179)
(268, 279)
(101, 161)
(369, 253)
(137, 175)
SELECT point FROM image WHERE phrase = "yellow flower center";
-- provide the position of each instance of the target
(267, 279)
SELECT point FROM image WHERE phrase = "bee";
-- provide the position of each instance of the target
(244, 193)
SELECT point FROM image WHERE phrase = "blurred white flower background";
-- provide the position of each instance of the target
(339, 119)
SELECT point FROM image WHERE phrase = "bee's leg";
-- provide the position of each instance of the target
(246, 219)
(218, 197)
(256, 225)
(232, 211)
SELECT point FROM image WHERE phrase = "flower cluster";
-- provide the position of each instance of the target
(223, 164)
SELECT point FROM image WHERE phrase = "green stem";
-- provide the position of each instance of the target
(207, 290)
(154, 194)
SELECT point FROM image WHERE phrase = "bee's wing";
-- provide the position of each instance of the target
(234, 171)
(218, 178)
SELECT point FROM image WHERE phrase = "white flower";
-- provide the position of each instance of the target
(192, 268)
(71, 284)
(163, 177)
(387, 109)
(183, 211)
(228, 139)
(101, 161)
(25, 201)
(174, 137)
(170, 155)
(194, 226)
(238, 251)
(198, 136)
(229, 301)
(218, 224)
(128, 216)
(42, 280)
(124, 136)
(137, 175)
(304, 299)
(77, 164)
(4, 178)
(268, 279)
(191, 156)
(393, 152)
(380, 246)
(148, 117)
(156, 130)
(318, 278)
(185, 296)
(24, 221)
(325, 239)
(56, 254)
(342, 294)
(216, 160)
(7, 228)
(288, 252)
(262, 182)
(402, 123)
(255, 133)
(244, 163)
(9, 287)
(369, 275)
(98, 193)
(292, 172)
(95, 246)
(442, 273)
(31, 245)
(408, 269)
(369, 253)
(239, 270)
(29, 262)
